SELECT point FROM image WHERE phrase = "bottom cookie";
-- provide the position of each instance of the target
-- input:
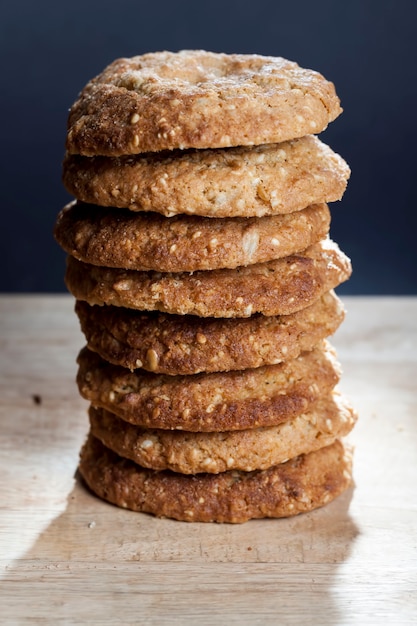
(302, 484)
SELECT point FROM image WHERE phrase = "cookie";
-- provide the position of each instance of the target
(277, 287)
(198, 99)
(301, 484)
(148, 241)
(330, 418)
(234, 400)
(176, 344)
(234, 182)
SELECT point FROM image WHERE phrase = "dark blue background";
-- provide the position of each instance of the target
(49, 49)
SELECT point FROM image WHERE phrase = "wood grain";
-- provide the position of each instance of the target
(68, 558)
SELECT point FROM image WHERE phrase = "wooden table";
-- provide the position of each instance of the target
(68, 558)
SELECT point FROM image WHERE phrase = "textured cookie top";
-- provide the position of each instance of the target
(261, 180)
(147, 241)
(299, 485)
(184, 344)
(198, 99)
(232, 400)
(274, 288)
(330, 418)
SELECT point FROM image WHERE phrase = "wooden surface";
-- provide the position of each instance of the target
(68, 558)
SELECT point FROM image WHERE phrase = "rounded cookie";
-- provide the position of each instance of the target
(330, 418)
(234, 182)
(233, 400)
(177, 344)
(277, 287)
(301, 484)
(198, 99)
(148, 241)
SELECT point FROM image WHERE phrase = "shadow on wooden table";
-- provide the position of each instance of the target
(97, 562)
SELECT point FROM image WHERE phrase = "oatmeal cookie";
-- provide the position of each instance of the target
(301, 484)
(330, 418)
(198, 99)
(235, 182)
(185, 344)
(277, 287)
(234, 400)
(148, 241)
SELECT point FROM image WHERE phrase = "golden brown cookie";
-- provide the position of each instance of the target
(178, 344)
(330, 418)
(234, 400)
(277, 287)
(302, 484)
(148, 241)
(235, 182)
(198, 99)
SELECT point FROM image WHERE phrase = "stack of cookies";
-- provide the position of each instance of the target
(203, 274)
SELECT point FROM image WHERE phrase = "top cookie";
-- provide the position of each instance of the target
(198, 99)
